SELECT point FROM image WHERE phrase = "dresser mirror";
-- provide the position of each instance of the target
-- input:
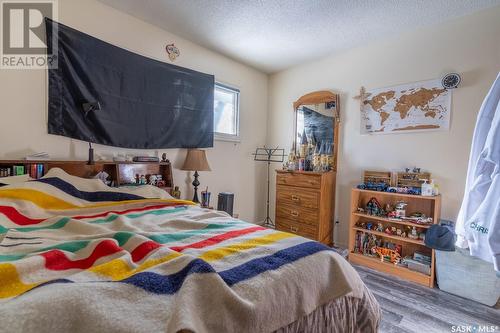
(315, 124)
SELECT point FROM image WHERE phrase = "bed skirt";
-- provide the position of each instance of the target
(346, 314)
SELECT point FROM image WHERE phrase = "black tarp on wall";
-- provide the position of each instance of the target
(145, 103)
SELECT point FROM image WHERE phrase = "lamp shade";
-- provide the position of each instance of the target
(196, 160)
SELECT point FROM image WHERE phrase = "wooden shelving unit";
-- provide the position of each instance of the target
(430, 206)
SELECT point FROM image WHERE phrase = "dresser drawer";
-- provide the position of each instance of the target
(296, 228)
(299, 179)
(303, 198)
(303, 215)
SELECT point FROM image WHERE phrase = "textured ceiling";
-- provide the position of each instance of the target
(272, 35)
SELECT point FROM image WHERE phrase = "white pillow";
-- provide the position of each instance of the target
(15, 179)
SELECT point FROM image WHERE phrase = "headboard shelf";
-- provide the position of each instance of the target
(120, 173)
(74, 162)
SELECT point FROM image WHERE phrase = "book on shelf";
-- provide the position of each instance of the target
(5, 172)
(18, 170)
(36, 170)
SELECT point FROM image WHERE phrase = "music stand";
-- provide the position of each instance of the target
(269, 155)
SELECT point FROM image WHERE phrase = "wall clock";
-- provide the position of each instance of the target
(451, 80)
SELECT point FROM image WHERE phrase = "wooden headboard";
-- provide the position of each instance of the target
(120, 173)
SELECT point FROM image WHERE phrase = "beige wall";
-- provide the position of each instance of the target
(469, 45)
(23, 124)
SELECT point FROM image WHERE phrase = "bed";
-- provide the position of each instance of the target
(76, 255)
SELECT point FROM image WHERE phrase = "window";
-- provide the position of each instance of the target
(226, 113)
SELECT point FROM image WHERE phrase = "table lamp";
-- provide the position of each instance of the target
(196, 160)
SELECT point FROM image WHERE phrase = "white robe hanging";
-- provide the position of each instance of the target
(478, 222)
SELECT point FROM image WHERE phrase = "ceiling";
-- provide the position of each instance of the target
(272, 35)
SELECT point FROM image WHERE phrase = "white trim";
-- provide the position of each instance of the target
(226, 136)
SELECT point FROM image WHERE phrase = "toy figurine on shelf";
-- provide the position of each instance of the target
(153, 180)
(373, 186)
(401, 209)
(388, 208)
(390, 245)
(372, 242)
(388, 231)
(328, 159)
(387, 254)
(419, 218)
(413, 234)
(361, 225)
(405, 190)
(369, 226)
(357, 242)
(392, 215)
(403, 234)
(361, 210)
(176, 193)
(316, 157)
(373, 207)
(369, 241)
(364, 243)
(380, 227)
(290, 164)
(399, 232)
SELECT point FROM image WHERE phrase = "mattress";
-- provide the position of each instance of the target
(76, 255)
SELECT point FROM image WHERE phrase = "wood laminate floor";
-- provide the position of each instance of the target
(408, 307)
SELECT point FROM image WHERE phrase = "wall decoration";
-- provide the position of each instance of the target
(172, 51)
(418, 106)
(104, 94)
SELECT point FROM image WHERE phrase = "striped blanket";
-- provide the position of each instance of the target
(76, 255)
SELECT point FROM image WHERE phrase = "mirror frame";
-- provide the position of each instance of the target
(316, 97)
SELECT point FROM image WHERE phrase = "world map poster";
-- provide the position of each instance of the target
(418, 106)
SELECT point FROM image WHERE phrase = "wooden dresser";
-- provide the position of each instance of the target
(305, 204)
